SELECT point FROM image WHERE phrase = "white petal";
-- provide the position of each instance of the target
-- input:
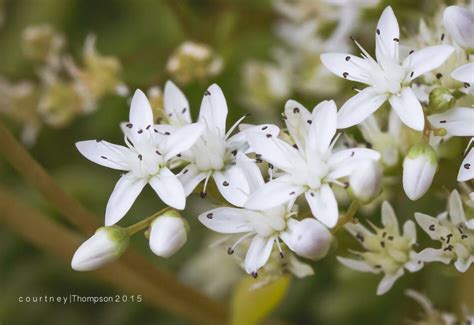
(389, 219)
(323, 128)
(418, 175)
(176, 105)
(387, 36)
(323, 205)
(233, 185)
(106, 154)
(456, 210)
(228, 220)
(463, 265)
(214, 109)
(258, 253)
(181, 140)
(359, 107)
(124, 194)
(141, 114)
(464, 73)
(388, 281)
(433, 255)
(239, 140)
(274, 193)
(459, 21)
(466, 171)
(344, 162)
(346, 66)
(360, 266)
(409, 231)
(276, 151)
(190, 177)
(252, 172)
(429, 224)
(169, 189)
(458, 121)
(298, 120)
(426, 59)
(408, 109)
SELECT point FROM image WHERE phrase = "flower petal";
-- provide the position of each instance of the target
(176, 105)
(458, 121)
(359, 107)
(169, 189)
(252, 172)
(456, 210)
(106, 154)
(408, 109)
(344, 162)
(430, 225)
(426, 59)
(360, 266)
(387, 36)
(297, 120)
(433, 255)
(466, 171)
(459, 21)
(409, 231)
(190, 177)
(274, 193)
(141, 114)
(322, 129)
(258, 253)
(388, 281)
(323, 205)
(124, 194)
(214, 109)
(181, 140)
(463, 265)
(233, 185)
(346, 66)
(228, 220)
(464, 73)
(389, 219)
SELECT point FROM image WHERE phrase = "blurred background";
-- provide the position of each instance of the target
(67, 68)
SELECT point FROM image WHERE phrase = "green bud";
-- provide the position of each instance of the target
(441, 99)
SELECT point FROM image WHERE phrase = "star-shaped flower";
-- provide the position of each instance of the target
(307, 238)
(457, 240)
(388, 77)
(145, 159)
(310, 166)
(387, 250)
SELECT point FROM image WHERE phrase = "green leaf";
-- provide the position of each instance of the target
(251, 306)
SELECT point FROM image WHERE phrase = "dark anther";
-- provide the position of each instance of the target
(183, 110)
(467, 85)
(360, 237)
(449, 248)
(103, 157)
(463, 236)
(378, 266)
(179, 155)
(296, 110)
(264, 128)
(209, 216)
(170, 114)
(258, 161)
(270, 166)
(345, 74)
(269, 135)
(346, 184)
(295, 146)
(396, 40)
(449, 238)
(129, 125)
(390, 237)
(292, 193)
(467, 166)
(309, 122)
(203, 194)
(234, 152)
(384, 234)
(255, 275)
(382, 243)
(411, 52)
(140, 157)
(207, 93)
(442, 121)
(225, 183)
(378, 31)
(140, 131)
(98, 140)
(442, 37)
(439, 75)
(281, 255)
(185, 171)
(148, 127)
(158, 153)
(369, 145)
(353, 153)
(442, 238)
(352, 38)
(348, 58)
(432, 227)
(156, 131)
(167, 133)
(312, 194)
(412, 73)
(230, 251)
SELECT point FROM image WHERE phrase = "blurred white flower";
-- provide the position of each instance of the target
(105, 246)
(168, 233)
(431, 315)
(454, 232)
(459, 22)
(387, 250)
(310, 166)
(388, 78)
(145, 159)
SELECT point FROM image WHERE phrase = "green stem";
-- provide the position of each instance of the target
(348, 217)
(145, 223)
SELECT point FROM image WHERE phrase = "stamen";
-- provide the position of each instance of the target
(279, 248)
(231, 249)
(236, 124)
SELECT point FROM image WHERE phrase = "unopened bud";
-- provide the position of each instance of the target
(168, 234)
(419, 168)
(105, 246)
(441, 99)
(308, 238)
(365, 182)
(458, 21)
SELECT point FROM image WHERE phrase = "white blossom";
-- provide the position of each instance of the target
(168, 233)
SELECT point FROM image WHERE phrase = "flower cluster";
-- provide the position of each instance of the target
(274, 190)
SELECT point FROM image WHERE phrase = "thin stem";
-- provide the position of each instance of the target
(145, 223)
(348, 217)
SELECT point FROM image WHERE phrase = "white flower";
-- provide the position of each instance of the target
(457, 240)
(307, 238)
(213, 154)
(459, 22)
(366, 183)
(310, 166)
(419, 168)
(466, 171)
(145, 159)
(388, 77)
(387, 250)
(169, 232)
(458, 121)
(105, 246)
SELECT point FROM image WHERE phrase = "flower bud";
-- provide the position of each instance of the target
(308, 238)
(366, 182)
(458, 21)
(106, 245)
(419, 168)
(168, 234)
(441, 99)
